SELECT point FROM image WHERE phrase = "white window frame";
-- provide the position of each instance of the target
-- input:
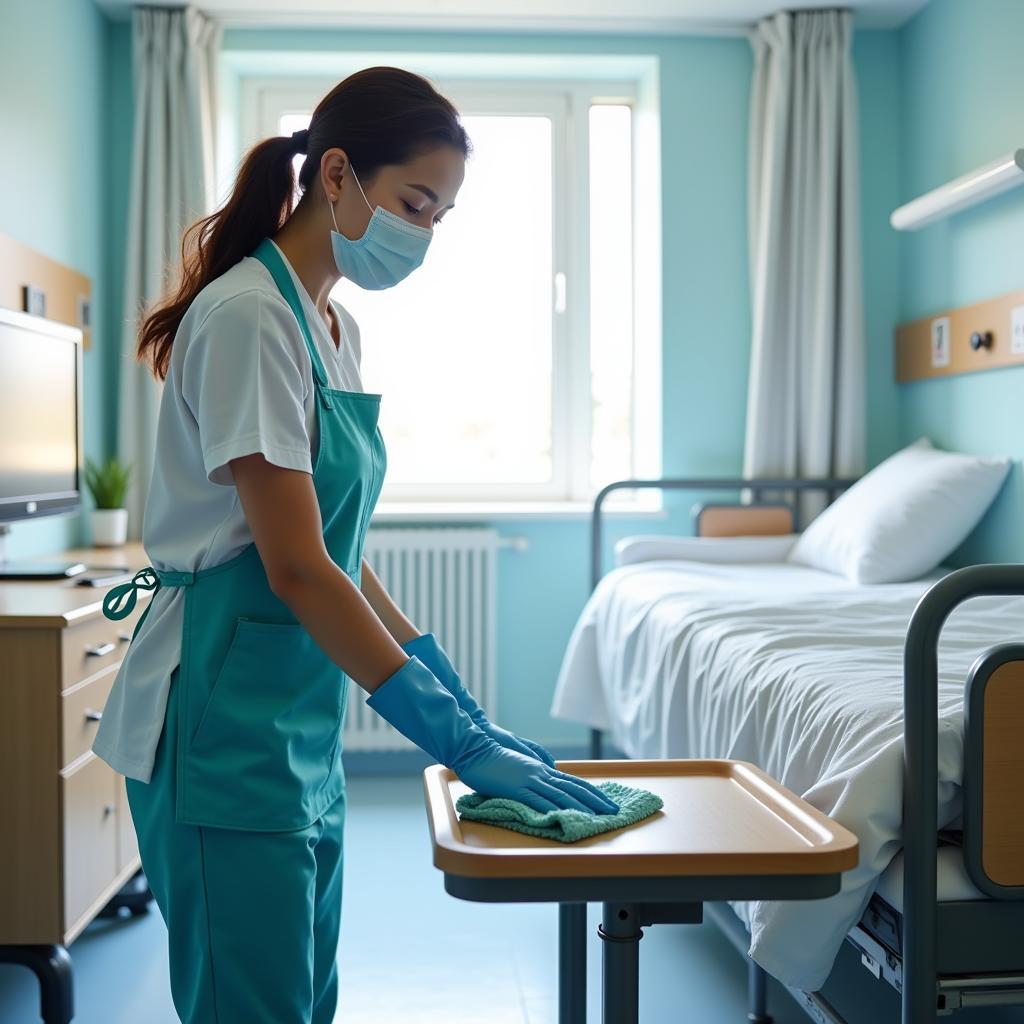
(262, 99)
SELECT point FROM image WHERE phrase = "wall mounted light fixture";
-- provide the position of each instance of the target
(974, 187)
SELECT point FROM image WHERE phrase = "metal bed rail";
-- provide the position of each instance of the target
(920, 771)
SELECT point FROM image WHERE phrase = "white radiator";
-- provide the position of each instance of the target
(444, 581)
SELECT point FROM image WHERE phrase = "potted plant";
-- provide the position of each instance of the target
(108, 484)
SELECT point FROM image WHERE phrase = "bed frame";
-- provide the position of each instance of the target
(945, 956)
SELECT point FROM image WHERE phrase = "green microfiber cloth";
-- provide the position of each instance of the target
(567, 826)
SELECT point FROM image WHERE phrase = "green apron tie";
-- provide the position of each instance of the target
(116, 608)
(145, 579)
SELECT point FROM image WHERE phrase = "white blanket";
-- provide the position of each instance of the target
(795, 670)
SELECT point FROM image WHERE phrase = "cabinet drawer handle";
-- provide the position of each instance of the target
(93, 716)
(98, 650)
(108, 809)
(124, 637)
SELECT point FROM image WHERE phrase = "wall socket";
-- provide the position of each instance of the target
(1017, 330)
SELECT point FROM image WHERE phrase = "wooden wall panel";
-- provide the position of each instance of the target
(914, 356)
(64, 287)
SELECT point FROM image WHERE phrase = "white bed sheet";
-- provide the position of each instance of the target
(951, 879)
(795, 670)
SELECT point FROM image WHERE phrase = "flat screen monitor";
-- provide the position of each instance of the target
(40, 417)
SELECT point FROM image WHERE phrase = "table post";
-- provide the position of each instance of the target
(620, 986)
(572, 963)
(757, 993)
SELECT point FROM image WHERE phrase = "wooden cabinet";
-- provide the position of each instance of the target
(67, 844)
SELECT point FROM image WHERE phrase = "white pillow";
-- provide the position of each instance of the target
(656, 547)
(901, 519)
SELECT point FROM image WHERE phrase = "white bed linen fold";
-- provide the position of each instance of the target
(796, 670)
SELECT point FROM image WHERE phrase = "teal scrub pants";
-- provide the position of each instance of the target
(252, 917)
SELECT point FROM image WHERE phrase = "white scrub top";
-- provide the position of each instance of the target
(240, 381)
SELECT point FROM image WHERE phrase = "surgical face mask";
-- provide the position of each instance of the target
(389, 251)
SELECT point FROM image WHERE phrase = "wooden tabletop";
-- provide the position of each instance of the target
(39, 604)
(720, 817)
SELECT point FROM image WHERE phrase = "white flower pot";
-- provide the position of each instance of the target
(109, 527)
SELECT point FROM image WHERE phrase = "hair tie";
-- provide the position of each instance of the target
(299, 139)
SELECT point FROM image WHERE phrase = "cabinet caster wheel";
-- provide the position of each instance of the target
(135, 895)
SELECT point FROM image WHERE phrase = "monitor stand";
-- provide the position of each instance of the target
(24, 569)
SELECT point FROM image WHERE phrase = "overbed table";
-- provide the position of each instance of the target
(727, 831)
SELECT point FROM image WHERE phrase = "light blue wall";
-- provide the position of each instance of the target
(53, 123)
(962, 106)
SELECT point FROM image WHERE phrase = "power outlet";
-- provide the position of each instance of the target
(1017, 330)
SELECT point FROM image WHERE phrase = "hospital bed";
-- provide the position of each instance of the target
(862, 699)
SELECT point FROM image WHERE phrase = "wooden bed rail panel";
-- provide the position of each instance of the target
(742, 520)
(1002, 823)
(994, 772)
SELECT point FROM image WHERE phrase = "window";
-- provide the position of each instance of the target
(508, 361)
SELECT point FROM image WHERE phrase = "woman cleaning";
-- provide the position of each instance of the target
(227, 711)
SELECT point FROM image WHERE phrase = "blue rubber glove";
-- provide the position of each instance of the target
(422, 710)
(433, 655)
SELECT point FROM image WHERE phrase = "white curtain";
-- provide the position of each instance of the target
(172, 184)
(805, 404)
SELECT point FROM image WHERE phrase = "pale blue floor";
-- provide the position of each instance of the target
(411, 953)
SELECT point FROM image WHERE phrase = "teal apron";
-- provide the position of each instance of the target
(252, 744)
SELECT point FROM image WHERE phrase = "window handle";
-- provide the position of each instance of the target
(560, 292)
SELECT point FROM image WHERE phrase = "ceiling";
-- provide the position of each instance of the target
(587, 16)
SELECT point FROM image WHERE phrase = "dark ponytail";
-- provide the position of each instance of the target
(380, 116)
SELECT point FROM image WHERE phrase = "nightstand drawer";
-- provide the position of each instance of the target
(90, 801)
(81, 709)
(90, 646)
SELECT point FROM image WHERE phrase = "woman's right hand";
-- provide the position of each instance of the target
(420, 708)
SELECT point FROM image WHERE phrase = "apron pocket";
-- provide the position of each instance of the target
(263, 753)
